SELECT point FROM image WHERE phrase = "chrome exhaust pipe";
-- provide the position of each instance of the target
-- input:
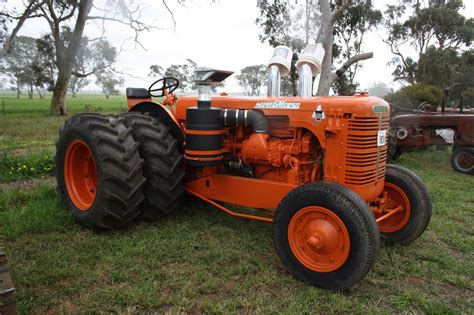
(274, 80)
(278, 66)
(309, 66)
(305, 83)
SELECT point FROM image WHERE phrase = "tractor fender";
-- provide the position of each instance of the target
(167, 117)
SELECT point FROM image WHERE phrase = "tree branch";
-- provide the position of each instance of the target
(69, 15)
(27, 14)
(396, 52)
(352, 61)
(170, 12)
(338, 13)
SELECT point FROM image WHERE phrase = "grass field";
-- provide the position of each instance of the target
(199, 259)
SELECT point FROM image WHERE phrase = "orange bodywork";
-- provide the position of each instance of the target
(300, 148)
(334, 139)
(134, 101)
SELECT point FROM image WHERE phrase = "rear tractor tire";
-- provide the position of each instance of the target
(462, 160)
(99, 171)
(326, 235)
(392, 152)
(404, 188)
(163, 168)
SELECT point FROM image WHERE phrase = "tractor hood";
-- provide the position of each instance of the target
(296, 107)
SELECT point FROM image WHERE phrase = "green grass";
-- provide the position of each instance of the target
(201, 260)
(25, 125)
(34, 164)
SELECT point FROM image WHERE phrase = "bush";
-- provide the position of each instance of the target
(411, 96)
(468, 97)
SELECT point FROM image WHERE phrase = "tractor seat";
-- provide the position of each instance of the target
(137, 93)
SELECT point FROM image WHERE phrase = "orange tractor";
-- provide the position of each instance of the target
(314, 166)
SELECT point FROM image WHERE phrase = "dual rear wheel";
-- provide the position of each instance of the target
(110, 170)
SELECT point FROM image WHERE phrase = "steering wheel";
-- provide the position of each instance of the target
(168, 85)
(424, 107)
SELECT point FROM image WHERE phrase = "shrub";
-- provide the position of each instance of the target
(410, 97)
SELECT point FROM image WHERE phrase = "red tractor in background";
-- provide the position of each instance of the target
(421, 128)
(316, 167)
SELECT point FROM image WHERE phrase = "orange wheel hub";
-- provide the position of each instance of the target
(319, 239)
(80, 175)
(395, 197)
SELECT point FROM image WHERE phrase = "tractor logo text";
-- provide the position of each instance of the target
(278, 105)
(318, 114)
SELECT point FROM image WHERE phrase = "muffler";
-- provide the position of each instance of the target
(278, 66)
(309, 66)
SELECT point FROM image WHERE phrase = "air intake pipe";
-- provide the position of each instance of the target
(278, 66)
(309, 66)
(244, 117)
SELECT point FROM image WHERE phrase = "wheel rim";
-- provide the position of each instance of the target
(465, 161)
(80, 175)
(319, 239)
(395, 197)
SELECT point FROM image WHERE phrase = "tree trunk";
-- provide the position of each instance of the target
(39, 92)
(30, 92)
(326, 37)
(326, 80)
(327, 77)
(58, 101)
(17, 89)
(65, 58)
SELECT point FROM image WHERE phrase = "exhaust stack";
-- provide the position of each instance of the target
(309, 66)
(278, 66)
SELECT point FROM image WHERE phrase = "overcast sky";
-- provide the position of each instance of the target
(221, 35)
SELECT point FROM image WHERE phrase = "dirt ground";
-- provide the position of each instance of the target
(28, 184)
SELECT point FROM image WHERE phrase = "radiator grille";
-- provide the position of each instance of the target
(365, 162)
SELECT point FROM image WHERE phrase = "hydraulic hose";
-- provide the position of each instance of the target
(244, 117)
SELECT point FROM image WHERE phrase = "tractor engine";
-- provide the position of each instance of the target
(294, 160)
(246, 142)
(242, 143)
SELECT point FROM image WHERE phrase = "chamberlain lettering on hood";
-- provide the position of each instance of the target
(278, 105)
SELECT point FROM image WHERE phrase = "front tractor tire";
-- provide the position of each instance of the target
(163, 168)
(404, 189)
(462, 160)
(326, 235)
(99, 171)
